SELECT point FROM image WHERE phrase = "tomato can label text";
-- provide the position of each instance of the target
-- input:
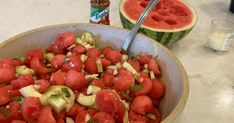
(99, 14)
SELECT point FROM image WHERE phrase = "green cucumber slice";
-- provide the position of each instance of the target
(57, 104)
(58, 89)
(49, 56)
(88, 37)
(86, 100)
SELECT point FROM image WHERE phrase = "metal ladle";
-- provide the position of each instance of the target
(136, 27)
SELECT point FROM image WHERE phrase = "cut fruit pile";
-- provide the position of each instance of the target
(72, 81)
(169, 21)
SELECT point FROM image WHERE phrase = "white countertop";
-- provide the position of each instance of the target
(211, 75)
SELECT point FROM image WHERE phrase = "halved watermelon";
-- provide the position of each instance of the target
(168, 22)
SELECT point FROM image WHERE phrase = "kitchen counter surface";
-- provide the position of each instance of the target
(211, 75)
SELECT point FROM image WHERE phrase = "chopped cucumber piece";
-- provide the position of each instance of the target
(136, 76)
(68, 54)
(129, 67)
(69, 120)
(56, 95)
(152, 76)
(115, 72)
(91, 76)
(93, 89)
(88, 118)
(78, 41)
(91, 121)
(48, 65)
(22, 58)
(49, 94)
(87, 46)
(29, 91)
(125, 118)
(124, 57)
(66, 59)
(86, 100)
(146, 66)
(88, 37)
(126, 105)
(99, 65)
(146, 71)
(28, 71)
(64, 93)
(57, 104)
(70, 47)
(19, 69)
(23, 70)
(83, 57)
(113, 67)
(49, 56)
(93, 106)
(102, 56)
(151, 116)
(37, 87)
(118, 65)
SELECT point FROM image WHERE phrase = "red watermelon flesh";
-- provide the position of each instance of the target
(167, 14)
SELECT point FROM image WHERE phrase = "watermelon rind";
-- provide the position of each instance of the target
(163, 36)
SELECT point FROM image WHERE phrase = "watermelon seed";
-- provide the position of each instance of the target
(144, 4)
(170, 21)
(157, 18)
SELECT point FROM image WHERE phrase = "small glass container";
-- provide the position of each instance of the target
(221, 34)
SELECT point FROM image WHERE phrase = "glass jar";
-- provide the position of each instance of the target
(221, 34)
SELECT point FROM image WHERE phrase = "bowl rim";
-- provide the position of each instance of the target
(183, 99)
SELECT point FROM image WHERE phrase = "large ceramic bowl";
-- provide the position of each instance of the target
(174, 75)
